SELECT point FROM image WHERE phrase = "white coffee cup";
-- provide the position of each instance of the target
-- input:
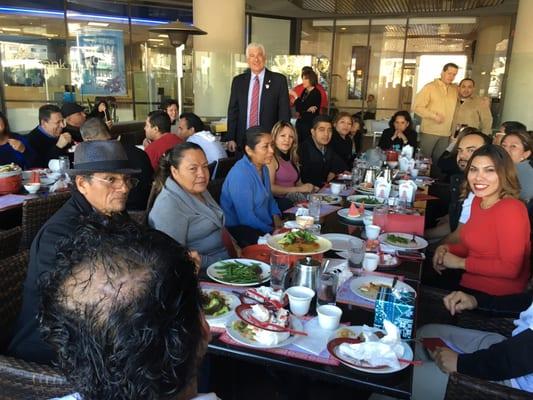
(329, 316)
(300, 299)
(370, 262)
(54, 165)
(372, 231)
(336, 188)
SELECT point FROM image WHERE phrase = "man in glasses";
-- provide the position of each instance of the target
(102, 180)
(48, 139)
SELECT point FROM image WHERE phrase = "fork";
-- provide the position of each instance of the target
(413, 240)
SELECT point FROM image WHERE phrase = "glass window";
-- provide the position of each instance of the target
(35, 67)
(273, 33)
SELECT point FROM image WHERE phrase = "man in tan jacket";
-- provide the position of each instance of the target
(435, 103)
(472, 110)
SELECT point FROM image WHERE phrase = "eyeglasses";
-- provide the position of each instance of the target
(117, 183)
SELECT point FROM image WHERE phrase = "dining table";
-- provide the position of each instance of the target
(397, 384)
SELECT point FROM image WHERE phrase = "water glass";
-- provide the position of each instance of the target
(279, 267)
(380, 216)
(314, 206)
(356, 252)
(326, 289)
(64, 164)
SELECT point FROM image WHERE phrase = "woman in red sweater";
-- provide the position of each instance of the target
(494, 244)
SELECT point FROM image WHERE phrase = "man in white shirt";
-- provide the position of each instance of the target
(123, 310)
(192, 129)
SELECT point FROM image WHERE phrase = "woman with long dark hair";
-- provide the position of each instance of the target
(13, 148)
(307, 105)
(184, 209)
(399, 133)
(494, 246)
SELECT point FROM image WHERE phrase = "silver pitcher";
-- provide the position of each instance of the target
(386, 173)
(370, 175)
(305, 273)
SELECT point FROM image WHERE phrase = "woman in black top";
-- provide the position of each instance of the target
(399, 133)
(307, 105)
(357, 132)
(342, 142)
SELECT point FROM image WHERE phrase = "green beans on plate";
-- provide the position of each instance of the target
(238, 272)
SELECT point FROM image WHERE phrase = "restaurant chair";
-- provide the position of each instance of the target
(212, 168)
(214, 188)
(9, 242)
(223, 167)
(464, 387)
(35, 212)
(20, 379)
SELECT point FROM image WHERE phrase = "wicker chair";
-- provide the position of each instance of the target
(36, 212)
(463, 387)
(223, 167)
(20, 379)
(9, 242)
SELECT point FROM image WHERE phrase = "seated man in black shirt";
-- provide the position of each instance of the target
(47, 139)
(75, 116)
(319, 163)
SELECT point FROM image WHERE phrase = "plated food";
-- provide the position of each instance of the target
(399, 241)
(354, 217)
(239, 272)
(265, 293)
(299, 242)
(9, 168)
(370, 349)
(329, 198)
(367, 201)
(218, 304)
(259, 328)
(368, 286)
(365, 187)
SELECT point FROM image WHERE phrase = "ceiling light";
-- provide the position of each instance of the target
(155, 40)
(163, 36)
(11, 29)
(102, 24)
(343, 28)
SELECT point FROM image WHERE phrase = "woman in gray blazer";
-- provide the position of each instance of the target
(184, 209)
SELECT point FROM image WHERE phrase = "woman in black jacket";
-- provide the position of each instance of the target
(399, 133)
(307, 105)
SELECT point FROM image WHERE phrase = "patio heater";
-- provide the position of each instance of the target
(178, 33)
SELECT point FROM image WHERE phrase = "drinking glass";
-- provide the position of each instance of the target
(279, 267)
(356, 252)
(380, 216)
(64, 164)
(314, 206)
(326, 289)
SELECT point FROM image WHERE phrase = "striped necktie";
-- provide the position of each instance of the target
(254, 104)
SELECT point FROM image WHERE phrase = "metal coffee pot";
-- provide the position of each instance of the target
(305, 273)
(370, 175)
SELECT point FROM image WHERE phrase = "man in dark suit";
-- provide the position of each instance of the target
(258, 97)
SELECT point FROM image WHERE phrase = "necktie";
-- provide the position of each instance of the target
(254, 104)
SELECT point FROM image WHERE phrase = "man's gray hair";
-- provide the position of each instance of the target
(95, 129)
(255, 45)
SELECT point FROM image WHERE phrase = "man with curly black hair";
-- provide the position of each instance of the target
(122, 311)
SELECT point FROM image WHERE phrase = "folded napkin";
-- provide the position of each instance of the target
(341, 269)
(61, 184)
(316, 340)
(375, 351)
(263, 239)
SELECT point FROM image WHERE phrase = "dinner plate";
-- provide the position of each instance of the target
(364, 190)
(357, 283)
(232, 301)
(420, 244)
(216, 276)
(329, 198)
(358, 198)
(343, 212)
(238, 337)
(339, 241)
(323, 245)
(336, 340)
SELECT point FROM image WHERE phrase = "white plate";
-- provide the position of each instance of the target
(356, 283)
(344, 214)
(364, 190)
(339, 241)
(407, 353)
(421, 243)
(358, 197)
(236, 335)
(232, 300)
(213, 274)
(323, 245)
(331, 198)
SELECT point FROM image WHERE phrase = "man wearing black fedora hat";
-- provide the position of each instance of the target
(102, 181)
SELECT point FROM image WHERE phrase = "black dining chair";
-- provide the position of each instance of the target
(223, 167)
(10, 242)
